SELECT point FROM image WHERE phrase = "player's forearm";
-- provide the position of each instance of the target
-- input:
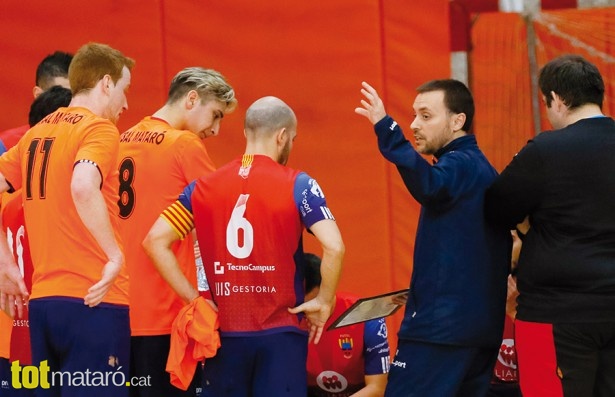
(175, 278)
(374, 386)
(369, 391)
(333, 249)
(166, 263)
(92, 210)
(13, 292)
(331, 269)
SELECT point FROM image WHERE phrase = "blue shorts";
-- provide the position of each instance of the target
(258, 366)
(423, 369)
(148, 361)
(86, 350)
(5, 376)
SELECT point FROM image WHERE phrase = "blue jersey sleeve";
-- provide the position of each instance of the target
(310, 201)
(186, 195)
(376, 345)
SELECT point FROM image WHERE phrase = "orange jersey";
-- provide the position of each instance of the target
(6, 327)
(156, 162)
(67, 259)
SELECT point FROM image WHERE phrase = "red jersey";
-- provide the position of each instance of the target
(249, 218)
(9, 138)
(12, 136)
(67, 259)
(14, 223)
(156, 162)
(337, 365)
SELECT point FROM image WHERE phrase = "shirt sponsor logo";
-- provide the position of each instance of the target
(220, 268)
(331, 381)
(506, 366)
(21, 323)
(400, 364)
(305, 205)
(226, 288)
(378, 346)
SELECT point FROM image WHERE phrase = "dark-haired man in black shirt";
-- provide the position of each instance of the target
(564, 180)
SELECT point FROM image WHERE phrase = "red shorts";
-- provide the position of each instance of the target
(536, 360)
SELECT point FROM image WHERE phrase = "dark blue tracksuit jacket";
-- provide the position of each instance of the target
(461, 262)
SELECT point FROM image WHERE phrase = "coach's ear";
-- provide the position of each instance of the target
(457, 121)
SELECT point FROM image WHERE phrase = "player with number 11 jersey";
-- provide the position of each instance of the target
(67, 259)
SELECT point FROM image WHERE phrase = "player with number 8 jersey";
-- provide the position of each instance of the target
(175, 160)
(159, 156)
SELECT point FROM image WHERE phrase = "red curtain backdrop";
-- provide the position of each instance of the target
(587, 32)
(313, 55)
(500, 81)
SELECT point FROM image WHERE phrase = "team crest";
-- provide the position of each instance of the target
(346, 344)
(315, 189)
(246, 165)
(382, 331)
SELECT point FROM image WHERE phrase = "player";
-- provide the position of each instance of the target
(158, 157)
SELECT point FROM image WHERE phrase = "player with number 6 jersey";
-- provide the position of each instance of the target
(253, 278)
(249, 218)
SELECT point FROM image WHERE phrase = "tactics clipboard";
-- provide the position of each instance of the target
(366, 309)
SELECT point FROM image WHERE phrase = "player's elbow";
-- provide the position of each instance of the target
(156, 241)
(149, 244)
(335, 249)
(82, 191)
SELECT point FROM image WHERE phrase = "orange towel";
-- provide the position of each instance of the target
(194, 337)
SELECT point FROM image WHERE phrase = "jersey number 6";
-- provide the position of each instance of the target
(238, 225)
